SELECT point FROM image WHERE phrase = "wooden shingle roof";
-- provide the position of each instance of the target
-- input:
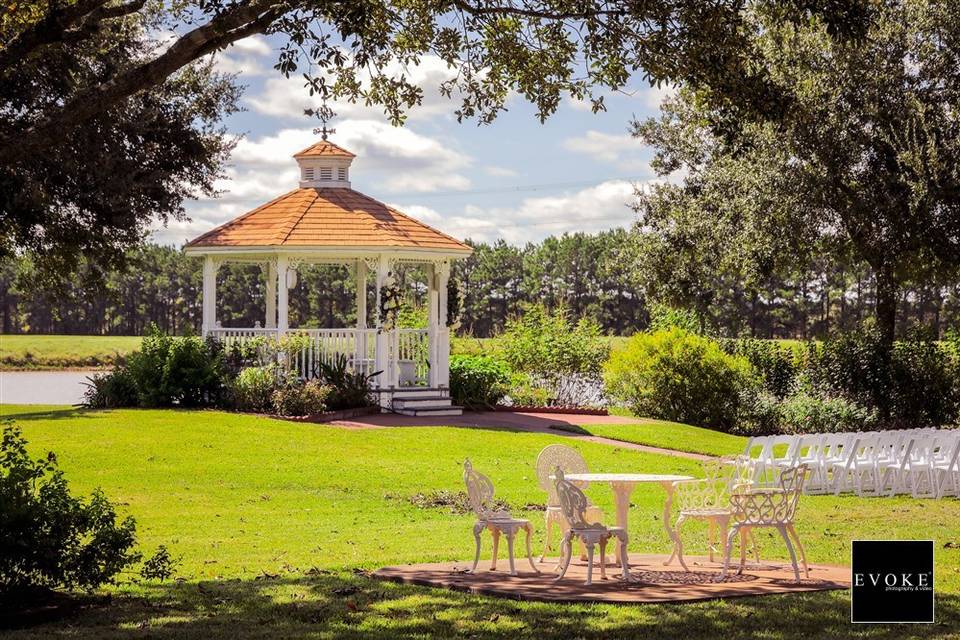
(327, 217)
(324, 149)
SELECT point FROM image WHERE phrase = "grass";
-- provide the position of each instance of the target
(63, 352)
(671, 435)
(276, 523)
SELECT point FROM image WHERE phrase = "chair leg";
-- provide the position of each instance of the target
(477, 530)
(793, 555)
(566, 550)
(678, 543)
(511, 534)
(496, 544)
(727, 548)
(603, 558)
(529, 530)
(803, 554)
(590, 547)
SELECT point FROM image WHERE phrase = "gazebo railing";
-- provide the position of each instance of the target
(412, 359)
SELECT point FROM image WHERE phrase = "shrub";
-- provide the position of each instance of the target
(49, 538)
(675, 375)
(160, 566)
(666, 317)
(478, 381)
(111, 390)
(547, 343)
(804, 413)
(253, 389)
(914, 385)
(300, 399)
(525, 392)
(349, 389)
(776, 365)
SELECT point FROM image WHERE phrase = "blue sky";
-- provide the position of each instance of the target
(515, 179)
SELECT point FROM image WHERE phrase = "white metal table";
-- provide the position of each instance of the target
(622, 485)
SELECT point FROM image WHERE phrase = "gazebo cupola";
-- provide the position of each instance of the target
(325, 221)
(324, 165)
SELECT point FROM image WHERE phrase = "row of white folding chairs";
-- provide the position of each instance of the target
(922, 462)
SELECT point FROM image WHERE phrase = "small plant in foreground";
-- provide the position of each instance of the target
(49, 538)
(160, 566)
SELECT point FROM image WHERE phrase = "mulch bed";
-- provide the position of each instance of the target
(654, 581)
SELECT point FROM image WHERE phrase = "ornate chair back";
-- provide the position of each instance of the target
(479, 491)
(771, 506)
(566, 458)
(573, 502)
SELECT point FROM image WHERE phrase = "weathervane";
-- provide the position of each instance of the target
(325, 114)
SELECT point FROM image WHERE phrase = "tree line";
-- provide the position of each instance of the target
(601, 276)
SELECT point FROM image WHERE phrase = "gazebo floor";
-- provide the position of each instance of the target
(654, 581)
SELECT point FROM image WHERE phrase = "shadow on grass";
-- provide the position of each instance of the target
(50, 414)
(345, 605)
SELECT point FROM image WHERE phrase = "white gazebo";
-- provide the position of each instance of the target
(324, 221)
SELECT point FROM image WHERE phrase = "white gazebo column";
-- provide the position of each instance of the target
(271, 319)
(443, 332)
(361, 275)
(381, 362)
(209, 308)
(433, 324)
(282, 306)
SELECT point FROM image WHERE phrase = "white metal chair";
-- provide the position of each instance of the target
(570, 460)
(573, 504)
(709, 499)
(480, 494)
(768, 507)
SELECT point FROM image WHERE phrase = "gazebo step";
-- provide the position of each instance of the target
(418, 392)
(421, 401)
(432, 410)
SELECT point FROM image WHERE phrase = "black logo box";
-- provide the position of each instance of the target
(892, 581)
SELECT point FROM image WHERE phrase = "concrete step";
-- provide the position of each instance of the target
(421, 401)
(434, 410)
(418, 392)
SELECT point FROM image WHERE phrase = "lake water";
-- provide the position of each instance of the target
(42, 387)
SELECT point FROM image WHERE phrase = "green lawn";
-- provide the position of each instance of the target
(276, 522)
(62, 352)
(672, 435)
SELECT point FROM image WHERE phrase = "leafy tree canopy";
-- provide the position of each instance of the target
(103, 131)
(864, 160)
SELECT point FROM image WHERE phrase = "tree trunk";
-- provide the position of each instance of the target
(886, 305)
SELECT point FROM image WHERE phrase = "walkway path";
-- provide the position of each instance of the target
(556, 424)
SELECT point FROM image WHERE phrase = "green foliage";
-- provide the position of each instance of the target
(776, 364)
(49, 538)
(349, 389)
(300, 398)
(667, 317)
(253, 389)
(548, 343)
(676, 375)
(914, 385)
(524, 392)
(478, 381)
(805, 413)
(184, 371)
(116, 388)
(160, 566)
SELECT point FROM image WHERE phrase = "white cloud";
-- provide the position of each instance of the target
(600, 207)
(499, 172)
(256, 45)
(289, 97)
(622, 150)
